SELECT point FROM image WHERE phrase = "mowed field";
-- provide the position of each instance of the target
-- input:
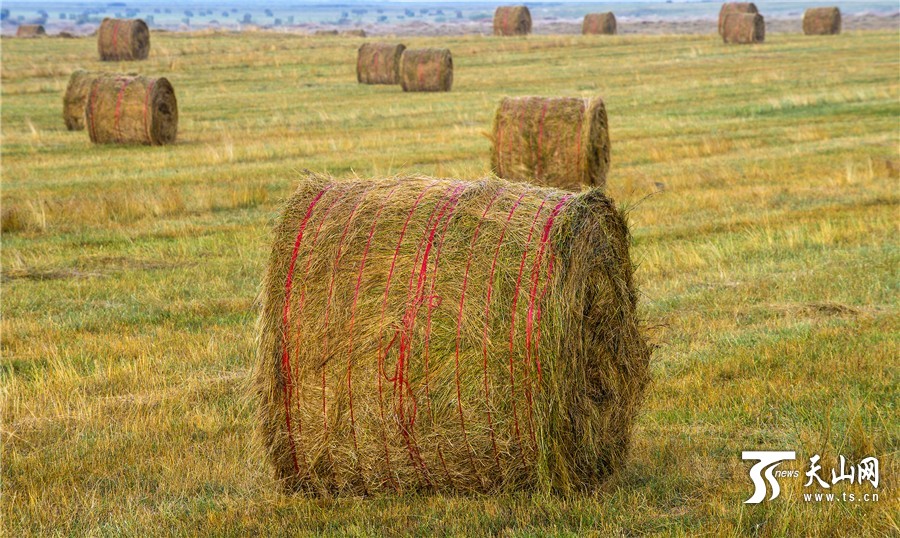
(762, 188)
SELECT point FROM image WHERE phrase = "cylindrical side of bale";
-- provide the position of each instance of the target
(30, 30)
(441, 335)
(744, 28)
(562, 142)
(76, 97)
(822, 21)
(123, 40)
(125, 109)
(734, 7)
(512, 20)
(379, 63)
(426, 70)
(599, 23)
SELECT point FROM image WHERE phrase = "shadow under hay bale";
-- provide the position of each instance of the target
(822, 21)
(426, 70)
(562, 142)
(512, 20)
(744, 28)
(442, 335)
(123, 40)
(599, 23)
(30, 30)
(379, 63)
(125, 109)
(734, 7)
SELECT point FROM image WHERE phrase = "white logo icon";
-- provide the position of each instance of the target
(768, 460)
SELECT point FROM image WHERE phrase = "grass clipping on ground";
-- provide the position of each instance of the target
(123, 39)
(822, 21)
(379, 63)
(426, 70)
(440, 335)
(131, 109)
(558, 141)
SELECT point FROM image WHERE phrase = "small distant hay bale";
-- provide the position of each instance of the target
(30, 30)
(131, 109)
(512, 20)
(324, 33)
(822, 21)
(76, 97)
(599, 23)
(66, 35)
(123, 40)
(734, 7)
(426, 70)
(450, 336)
(379, 63)
(744, 28)
(354, 33)
(562, 141)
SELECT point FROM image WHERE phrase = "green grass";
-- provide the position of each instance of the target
(764, 214)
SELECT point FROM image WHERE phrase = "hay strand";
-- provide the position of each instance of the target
(599, 23)
(441, 335)
(123, 40)
(744, 28)
(512, 20)
(426, 70)
(734, 7)
(30, 30)
(561, 142)
(822, 21)
(130, 109)
(379, 63)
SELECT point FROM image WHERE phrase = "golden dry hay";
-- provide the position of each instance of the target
(379, 63)
(558, 141)
(512, 20)
(131, 109)
(822, 21)
(744, 28)
(734, 7)
(599, 23)
(426, 70)
(123, 39)
(446, 335)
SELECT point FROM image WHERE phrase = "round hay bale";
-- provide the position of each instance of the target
(599, 23)
(354, 33)
(734, 7)
(379, 63)
(512, 20)
(426, 70)
(562, 141)
(822, 21)
(442, 335)
(131, 109)
(123, 40)
(30, 30)
(744, 28)
(75, 98)
(323, 33)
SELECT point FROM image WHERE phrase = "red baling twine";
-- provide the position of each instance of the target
(115, 36)
(404, 402)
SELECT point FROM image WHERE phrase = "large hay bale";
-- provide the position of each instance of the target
(512, 20)
(379, 63)
(123, 39)
(734, 7)
(599, 23)
(822, 21)
(562, 142)
(30, 30)
(744, 28)
(426, 70)
(76, 97)
(130, 109)
(354, 33)
(422, 334)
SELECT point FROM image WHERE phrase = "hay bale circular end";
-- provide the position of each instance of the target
(131, 109)
(822, 21)
(562, 141)
(734, 7)
(443, 335)
(379, 63)
(599, 23)
(426, 70)
(123, 40)
(512, 21)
